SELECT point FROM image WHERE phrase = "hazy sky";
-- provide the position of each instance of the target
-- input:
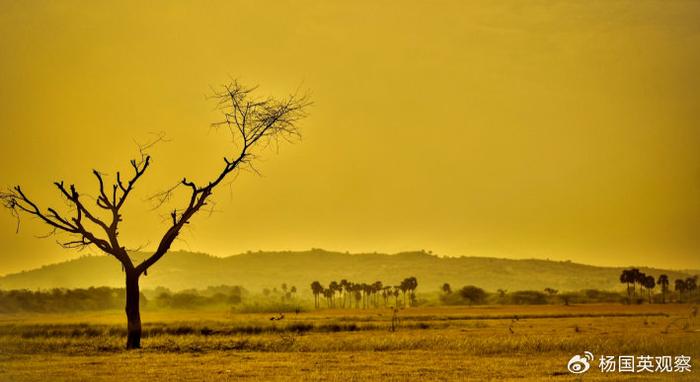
(562, 130)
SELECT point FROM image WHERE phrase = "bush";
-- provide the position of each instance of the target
(63, 300)
(191, 298)
(468, 295)
(588, 296)
(528, 297)
(472, 294)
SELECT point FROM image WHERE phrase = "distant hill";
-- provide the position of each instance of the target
(254, 271)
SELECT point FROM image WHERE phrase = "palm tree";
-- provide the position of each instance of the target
(386, 292)
(357, 290)
(376, 287)
(326, 293)
(333, 287)
(663, 281)
(503, 292)
(350, 291)
(317, 289)
(627, 278)
(680, 288)
(404, 288)
(691, 284)
(649, 283)
(635, 275)
(367, 290)
(343, 291)
(412, 284)
(446, 288)
(284, 291)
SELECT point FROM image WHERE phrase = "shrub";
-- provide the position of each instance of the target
(472, 294)
(528, 297)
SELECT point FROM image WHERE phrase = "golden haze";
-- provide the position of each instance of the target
(563, 130)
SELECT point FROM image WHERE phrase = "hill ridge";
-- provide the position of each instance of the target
(267, 269)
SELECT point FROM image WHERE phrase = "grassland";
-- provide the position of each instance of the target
(445, 343)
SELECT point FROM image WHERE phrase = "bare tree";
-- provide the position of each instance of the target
(253, 123)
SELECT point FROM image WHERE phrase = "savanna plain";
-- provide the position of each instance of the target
(418, 343)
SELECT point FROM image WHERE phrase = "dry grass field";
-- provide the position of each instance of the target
(441, 344)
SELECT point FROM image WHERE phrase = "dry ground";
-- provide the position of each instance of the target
(466, 343)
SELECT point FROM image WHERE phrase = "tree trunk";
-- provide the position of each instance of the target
(133, 315)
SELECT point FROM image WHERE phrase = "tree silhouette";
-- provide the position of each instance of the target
(446, 288)
(649, 284)
(328, 294)
(253, 122)
(680, 287)
(350, 292)
(343, 291)
(626, 277)
(691, 284)
(357, 289)
(333, 287)
(316, 289)
(364, 294)
(404, 288)
(366, 290)
(396, 296)
(663, 282)
(635, 277)
(386, 292)
(551, 291)
(474, 295)
(376, 288)
(412, 285)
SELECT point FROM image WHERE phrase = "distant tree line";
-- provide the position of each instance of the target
(105, 298)
(473, 295)
(63, 300)
(346, 294)
(223, 295)
(285, 293)
(640, 288)
(637, 280)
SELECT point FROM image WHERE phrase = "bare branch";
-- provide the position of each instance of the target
(253, 124)
(161, 198)
(18, 202)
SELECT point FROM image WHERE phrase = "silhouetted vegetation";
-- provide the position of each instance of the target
(472, 294)
(341, 294)
(63, 300)
(104, 298)
(663, 283)
(348, 294)
(685, 288)
(191, 298)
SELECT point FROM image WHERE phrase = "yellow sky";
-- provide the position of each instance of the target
(562, 130)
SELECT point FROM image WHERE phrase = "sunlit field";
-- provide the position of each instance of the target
(442, 343)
